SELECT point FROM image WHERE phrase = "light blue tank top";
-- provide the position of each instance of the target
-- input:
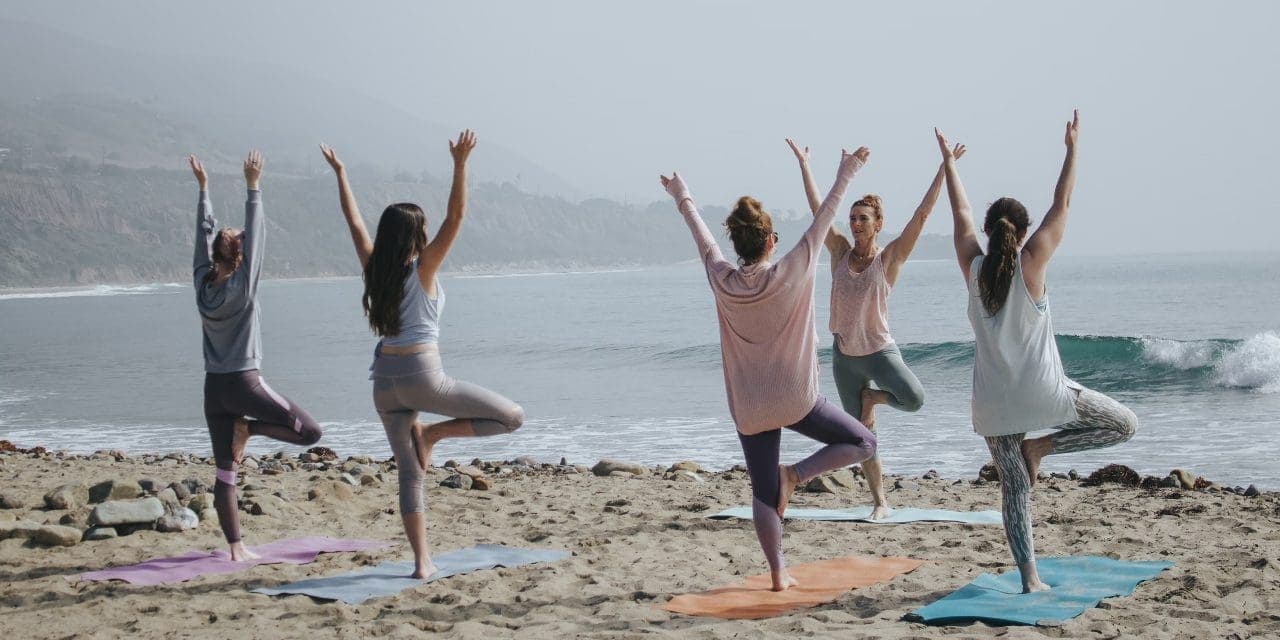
(419, 313)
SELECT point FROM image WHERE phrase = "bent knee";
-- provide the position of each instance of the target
(913, 401)
(310, 436)
(1128, 424)
(514, 418)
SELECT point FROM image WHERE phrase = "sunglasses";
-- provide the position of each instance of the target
(774, 235)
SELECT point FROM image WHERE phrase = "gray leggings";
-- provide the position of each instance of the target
(885, 369)
(1102, 422)
(399, 399)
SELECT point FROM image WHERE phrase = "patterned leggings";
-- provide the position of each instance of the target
(1102, 422)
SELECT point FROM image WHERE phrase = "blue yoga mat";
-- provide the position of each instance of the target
(863, 514)
(390, 578)
(1079, 583)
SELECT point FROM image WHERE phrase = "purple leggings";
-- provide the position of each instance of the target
(847, 442)
(233, 396)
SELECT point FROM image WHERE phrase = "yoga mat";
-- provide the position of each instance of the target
(1079, 583)
(820, 582)
(390, 578)
(200, 563)
(863, 514)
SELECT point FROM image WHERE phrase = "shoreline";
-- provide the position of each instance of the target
(635, 541)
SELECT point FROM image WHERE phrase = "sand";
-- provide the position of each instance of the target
(635, 543)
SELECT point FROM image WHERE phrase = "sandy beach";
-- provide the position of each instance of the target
(635, 542)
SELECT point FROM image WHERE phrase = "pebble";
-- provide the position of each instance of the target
(114, 490)
(481, 484)
(117, 512)
(266, 505)
(56, 535)
(201, 502)
(10, 501)
(347, 478)
(989, 472)
(169, 498)
(821, 484)
(608, 467)
(1252, 492)
(685, 465)
(100, 533)
(180, 490)
(67, 496)
(906, 485)
(149, 485)
(457, 481)
(180, 520)
(330, 490)
(470, 470)
(76, 520)
(683, 475)
(369, 480)
(1184, 478)
(18, 529)
(249, 463)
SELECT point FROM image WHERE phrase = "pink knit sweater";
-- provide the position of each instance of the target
(768, 342)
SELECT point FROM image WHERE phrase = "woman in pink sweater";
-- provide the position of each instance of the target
(769, 351)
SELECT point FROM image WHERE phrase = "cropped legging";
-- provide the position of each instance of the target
(885, 369)
(847, 442)
(1101, 422)
(229, 397)
(399, 398)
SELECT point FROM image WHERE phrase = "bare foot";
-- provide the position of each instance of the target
(241, 553)
(1035, 586)
(424, 570)
(423, 443)
(1031, 582)
(239, 438)
(787, 480)
(870, 398)
(782, 580)
(1033, 451)
(879, 511)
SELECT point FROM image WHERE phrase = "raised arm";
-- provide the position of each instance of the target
(433, 256)
(813, 236)
(833, 241)
(254, 226)
(1041, 245)
(708, 251)
(899, 249)
(205, 224)
(350, 211)
(966, 239)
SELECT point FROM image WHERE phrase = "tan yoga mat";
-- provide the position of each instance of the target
(820, 582)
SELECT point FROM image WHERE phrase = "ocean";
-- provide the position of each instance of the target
(625, 364)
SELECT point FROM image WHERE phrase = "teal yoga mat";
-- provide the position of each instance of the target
(1079, 583)
(390, 578)
(863, 514)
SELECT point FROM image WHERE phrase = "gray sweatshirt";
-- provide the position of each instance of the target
(229, 310)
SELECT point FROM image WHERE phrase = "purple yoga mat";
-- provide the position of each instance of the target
(201, 563)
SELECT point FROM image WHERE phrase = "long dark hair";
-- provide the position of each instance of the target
(749, 227)
(400, 237)
(1006, 223)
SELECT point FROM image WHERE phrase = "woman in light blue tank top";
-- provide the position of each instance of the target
(1018, 382)
(403, 300)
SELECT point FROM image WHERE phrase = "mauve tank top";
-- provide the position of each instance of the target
(860, 307)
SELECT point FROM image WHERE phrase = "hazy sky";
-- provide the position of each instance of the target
(1178, 144)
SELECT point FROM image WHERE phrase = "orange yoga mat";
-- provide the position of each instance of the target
(820, 582)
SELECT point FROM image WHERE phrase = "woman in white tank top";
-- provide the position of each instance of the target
(862, 276)
(1018, 382)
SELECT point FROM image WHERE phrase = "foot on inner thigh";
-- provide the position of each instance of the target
(239, 438)
(870, 398)
(424, 569)
(782, 580)
(1033, 451)
(787, 481)
(423, 442)
(241, 553)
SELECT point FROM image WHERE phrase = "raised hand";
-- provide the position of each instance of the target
(462, 148)
(850, 161)
(253, 169)
(675, 187)
(957, 151)
(1073, 129)
(197, 169)
(943, 145)
(801, 154)
(331, 157)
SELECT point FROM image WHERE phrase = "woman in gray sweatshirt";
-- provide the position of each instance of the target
(237, 401)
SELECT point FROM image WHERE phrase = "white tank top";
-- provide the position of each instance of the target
(860, 307)
(1018, 382)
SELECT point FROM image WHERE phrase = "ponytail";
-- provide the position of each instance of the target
(1006, 224)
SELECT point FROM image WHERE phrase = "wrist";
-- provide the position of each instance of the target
(252, 186)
